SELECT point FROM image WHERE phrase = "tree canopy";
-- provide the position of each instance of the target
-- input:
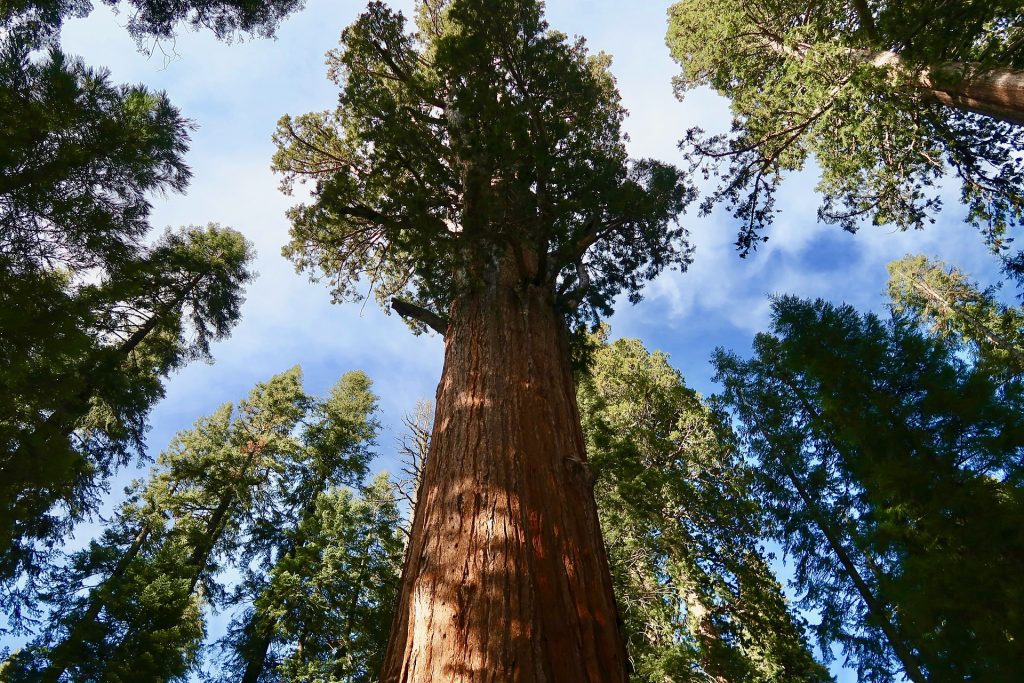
(480, 132)
(96, 314)
(945, 301)
(156, 19)
(891, 469)
(894, 100)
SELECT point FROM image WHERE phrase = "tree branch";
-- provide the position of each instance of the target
(575, 297)
(406, 309)
(867, 22)
(595, 231)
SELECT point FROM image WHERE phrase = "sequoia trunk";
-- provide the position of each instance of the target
(506, 577)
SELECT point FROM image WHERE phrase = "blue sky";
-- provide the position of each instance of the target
(236, 93)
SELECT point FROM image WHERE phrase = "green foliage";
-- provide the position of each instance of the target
(78, 400)
(891, 471)
(153, 19)
(220, 490)
(323, 565)
(93, 318)
(697, 597)
(482, 132)
(324, 609)
(842, 81)
(80, 156)
(946, 302)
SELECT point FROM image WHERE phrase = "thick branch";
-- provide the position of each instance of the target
(575, 297)
(969, 87)
(436, 322)
(596, 230)
(996, 93)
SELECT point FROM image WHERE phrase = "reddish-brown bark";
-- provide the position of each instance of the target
(506, 578)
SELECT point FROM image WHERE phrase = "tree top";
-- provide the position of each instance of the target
(482, 131)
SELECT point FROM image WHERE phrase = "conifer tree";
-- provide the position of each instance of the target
(677, 509)
(93, 318)
(892, 470)
(324, 608)
(337, 438)
(143, 321)
(946, 302)
(154, 570)
(475, 175)
(890, 98)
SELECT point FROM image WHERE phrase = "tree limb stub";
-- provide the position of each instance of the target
(436, 322)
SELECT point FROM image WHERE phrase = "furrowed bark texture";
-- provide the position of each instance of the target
(506, 577)
(998, 93)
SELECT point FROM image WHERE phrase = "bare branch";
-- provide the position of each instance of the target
(406, 309)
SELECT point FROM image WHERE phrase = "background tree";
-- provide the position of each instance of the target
(948, 304)
(682, 528)
(890, 98)
(93, 316)
(134, 327)
(413, 447)
(892, 471)
(156, 566)
(337, 437)
(476, 168)
(329, 600)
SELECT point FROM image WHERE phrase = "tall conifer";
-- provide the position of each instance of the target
(475, 176)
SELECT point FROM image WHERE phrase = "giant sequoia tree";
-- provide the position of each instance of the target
(889, 97)
(475, 174)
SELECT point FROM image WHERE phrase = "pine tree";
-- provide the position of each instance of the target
(475, 175)
(893, 472)
(890, 98)
(676, 505)
(156, 568)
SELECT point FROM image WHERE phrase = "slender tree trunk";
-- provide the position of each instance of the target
(877, 607)
(256, 654)
(506, 577)
(256, 657)
(69, 650)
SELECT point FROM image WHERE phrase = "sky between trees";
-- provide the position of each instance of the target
(237, 92)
